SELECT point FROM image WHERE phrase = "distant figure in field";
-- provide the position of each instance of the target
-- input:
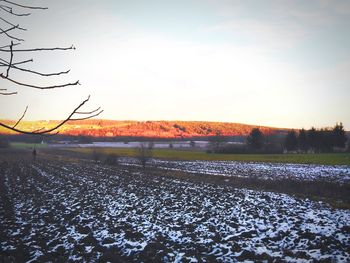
(34, 154)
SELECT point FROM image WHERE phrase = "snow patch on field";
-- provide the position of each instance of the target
(93, 212)
(338, 173)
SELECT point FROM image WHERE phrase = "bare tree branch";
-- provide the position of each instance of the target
(41, 131)
(8, 69)
(9, 7)
(39, 49)
(11, 24)
(6, 7)
(20, 119)
(9, 29)
(39, 87)
(22, 62)
(41, 74)
(8, 35)
(8, 93)
(25, 6)
(10, 11)
(88, 117)
(4, 63)
(88, 112)
(7, 46)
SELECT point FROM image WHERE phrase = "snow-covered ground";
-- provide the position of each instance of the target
(84, 212)
(338, 173)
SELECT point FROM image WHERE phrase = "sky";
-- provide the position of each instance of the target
(274, 63)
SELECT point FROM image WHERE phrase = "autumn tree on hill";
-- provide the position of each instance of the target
(15, 59)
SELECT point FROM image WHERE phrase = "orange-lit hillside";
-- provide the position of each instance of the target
(157, 129)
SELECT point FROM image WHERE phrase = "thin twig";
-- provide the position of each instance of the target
(39, 49)
(4, 63)
(22, 62)
(14, 44)
(25, 6)
(10, 36)
(40, 87)
(8, 93)
(20, 119)
(35, 131)
(9, 29)
(10, 11)
(88, 112)
(55, 127)
(85, 118)
(8, 22)
(9, 67)
(42, 74)
(34, 72)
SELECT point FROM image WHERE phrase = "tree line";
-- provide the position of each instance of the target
(316, 140)
(312, 140)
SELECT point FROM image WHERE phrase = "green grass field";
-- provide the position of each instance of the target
(23, 145)
(172, 154)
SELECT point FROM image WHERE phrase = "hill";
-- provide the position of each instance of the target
(155, 129)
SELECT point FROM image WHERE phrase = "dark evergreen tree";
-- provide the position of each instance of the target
(256, 139)
(302, 140)
(312, 138)
(291, 141)
(339, 137)
(324, 140)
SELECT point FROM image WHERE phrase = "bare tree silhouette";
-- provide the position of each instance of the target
(8, 65)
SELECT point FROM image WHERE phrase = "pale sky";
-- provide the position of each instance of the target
(275, 63)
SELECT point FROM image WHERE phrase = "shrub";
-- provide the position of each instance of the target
(111, 159)
(143, 155)
(4, 144)
(192, 144)
(96, 156)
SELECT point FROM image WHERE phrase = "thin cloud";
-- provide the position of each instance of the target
(279, 24)
(271, 34)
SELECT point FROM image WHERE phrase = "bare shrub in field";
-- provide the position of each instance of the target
(192, 144)
(96, 156)
(144, 154)
(216, 142)
(112, 159)
(4, 143)
(150, 145)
